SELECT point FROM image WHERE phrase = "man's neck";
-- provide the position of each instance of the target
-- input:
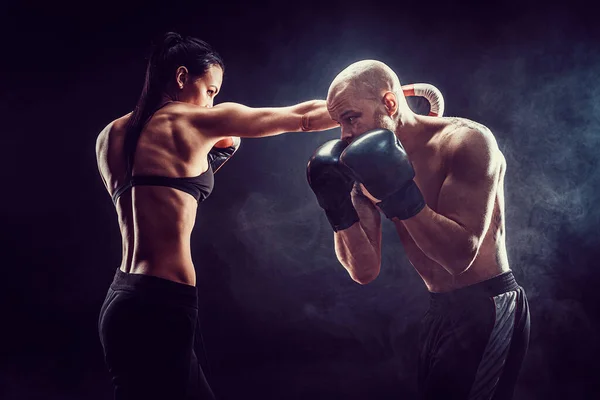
(413, 132)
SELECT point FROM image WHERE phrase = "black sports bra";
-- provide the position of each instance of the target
(198, 186)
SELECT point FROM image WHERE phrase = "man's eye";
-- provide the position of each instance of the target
(211, 92)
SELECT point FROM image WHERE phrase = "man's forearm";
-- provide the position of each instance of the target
(442, 240)
(359, 247)
(357, 254)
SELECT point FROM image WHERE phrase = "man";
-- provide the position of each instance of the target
(440, 180)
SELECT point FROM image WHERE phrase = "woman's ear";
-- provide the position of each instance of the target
(181, 76)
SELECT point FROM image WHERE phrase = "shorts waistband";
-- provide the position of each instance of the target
(502, 283)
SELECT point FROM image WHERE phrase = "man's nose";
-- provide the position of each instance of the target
(346, 135)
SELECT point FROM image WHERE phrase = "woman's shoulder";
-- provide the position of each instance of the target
(114, 129)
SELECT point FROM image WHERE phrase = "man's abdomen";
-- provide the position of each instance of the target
(490, 262)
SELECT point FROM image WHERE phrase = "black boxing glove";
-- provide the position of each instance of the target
(219, 155)
(378, 161)
(332, 183)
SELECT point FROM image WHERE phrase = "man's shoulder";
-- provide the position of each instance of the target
(461, 134)
(463, 128)
(467, 140)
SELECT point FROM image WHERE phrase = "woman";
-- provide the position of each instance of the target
(148, 320)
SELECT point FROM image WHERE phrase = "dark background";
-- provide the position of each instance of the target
(281, 318)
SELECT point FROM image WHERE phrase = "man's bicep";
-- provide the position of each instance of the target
(468, 204)
(468, 192)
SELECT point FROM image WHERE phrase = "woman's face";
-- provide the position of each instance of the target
(202, 91)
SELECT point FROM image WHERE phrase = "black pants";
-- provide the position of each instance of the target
(474, 340)
(147, 327)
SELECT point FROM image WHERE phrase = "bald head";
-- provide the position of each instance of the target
(368, 79)
(367, 95)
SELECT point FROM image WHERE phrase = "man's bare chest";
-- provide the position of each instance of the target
(430, 174)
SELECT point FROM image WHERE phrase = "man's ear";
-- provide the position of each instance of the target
(391, 103)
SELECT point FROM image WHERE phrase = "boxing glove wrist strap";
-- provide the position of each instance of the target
(342, 217)
(404, 203)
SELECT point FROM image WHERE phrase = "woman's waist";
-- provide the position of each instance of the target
(174, 264)
(155, 288)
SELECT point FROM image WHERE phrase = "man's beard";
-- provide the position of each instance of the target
(382, 120)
